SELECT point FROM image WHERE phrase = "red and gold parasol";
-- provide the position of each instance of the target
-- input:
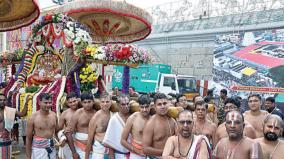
(110, 21)
(17, 13)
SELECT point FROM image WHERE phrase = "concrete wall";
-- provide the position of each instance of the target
(187, 54)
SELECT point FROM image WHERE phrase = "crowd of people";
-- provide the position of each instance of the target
(206, 129)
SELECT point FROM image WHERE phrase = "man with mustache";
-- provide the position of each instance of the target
(271, 144)
(236, 146)
(186, 145)
(232, 104)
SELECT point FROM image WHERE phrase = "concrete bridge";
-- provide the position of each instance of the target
(188, 45)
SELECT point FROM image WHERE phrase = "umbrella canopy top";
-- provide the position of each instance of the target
(17, 13)
(110, 21)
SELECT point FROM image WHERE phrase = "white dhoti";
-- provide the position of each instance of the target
(113, 136)
(121, 155)
(43, 148)
(65, 152)
(136, 156)
(100, 151)
(79, 146)
(42, 153)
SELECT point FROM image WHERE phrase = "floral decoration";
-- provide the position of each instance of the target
(88, 76)
(119, 53)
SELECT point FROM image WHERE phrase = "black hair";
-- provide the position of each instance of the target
(224, 91)
(207, 99)
(86, 96)
(210, 92)
(144, 99)
(46, 96)
(201, 103)
(132, 88)
(179, 96)
(159, 96)
(71, 95)
(234, 101)
(254, 95)
(100, 77)
(270, 99)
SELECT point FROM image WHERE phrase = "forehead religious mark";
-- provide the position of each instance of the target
(274, 122)
(233, 116)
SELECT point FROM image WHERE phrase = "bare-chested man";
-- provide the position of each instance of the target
(64, 122)
(272, 146)
(114, 130)
(134, 128)
(184, 145)
(42, 127)
(79, 126)
(158, 128)
(203, 126)
(232, 104)
(7, 117)
(97, 128)
(236, 146)
(255, 114)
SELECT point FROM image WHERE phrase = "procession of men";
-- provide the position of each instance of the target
(84, 131)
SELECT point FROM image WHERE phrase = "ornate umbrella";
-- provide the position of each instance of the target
(110, 21)
(17, 13)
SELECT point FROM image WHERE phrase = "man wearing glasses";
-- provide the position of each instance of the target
(230, 105)
(158, 128)
(186, 145)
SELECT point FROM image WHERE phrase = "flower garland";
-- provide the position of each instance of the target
(59, 25)
(119, 53)
(10, 58)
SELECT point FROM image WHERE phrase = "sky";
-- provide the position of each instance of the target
(140, 3)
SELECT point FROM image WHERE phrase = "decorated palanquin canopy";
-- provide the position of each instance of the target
(17, 13)
(110, 21)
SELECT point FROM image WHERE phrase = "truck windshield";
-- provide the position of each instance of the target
(187, 85)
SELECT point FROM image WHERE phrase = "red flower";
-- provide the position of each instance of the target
(48, 17)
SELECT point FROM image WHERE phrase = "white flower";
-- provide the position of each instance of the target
(93, 67)
(101, 56)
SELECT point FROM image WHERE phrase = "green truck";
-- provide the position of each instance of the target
(156, 78)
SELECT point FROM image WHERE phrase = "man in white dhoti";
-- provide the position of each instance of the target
(42, 126)
(79, 125)
(64, 123)
(134, 127)
(115, 127)
(97, 129)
